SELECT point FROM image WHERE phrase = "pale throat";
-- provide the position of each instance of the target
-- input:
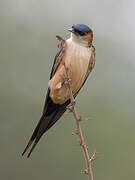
(79, 40)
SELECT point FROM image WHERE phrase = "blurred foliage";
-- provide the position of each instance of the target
(27, 49)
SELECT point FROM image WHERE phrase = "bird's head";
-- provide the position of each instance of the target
(81, 34)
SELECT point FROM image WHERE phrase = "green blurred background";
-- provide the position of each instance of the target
(27, 50)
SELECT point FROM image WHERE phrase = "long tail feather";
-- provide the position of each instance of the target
(32, 149)
(46, 122)
(27, 147)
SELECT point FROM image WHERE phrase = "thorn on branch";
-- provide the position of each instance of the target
(76, 132)
(82, 144)
(84, 119)
(85, 172)
(67, 112)
(78, 144)
(93, 157)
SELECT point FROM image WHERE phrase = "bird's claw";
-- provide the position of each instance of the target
(71, 106)
(66, 81)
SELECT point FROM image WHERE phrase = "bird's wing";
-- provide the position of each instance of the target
(57, 61)
(92, 61)
(58, 58)
(51, 111)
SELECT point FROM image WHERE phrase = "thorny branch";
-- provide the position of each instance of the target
(82, 143)
(72, 109)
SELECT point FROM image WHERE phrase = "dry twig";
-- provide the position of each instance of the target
(78, 132)
(88, 159)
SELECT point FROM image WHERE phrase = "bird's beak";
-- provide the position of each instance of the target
(71, 30)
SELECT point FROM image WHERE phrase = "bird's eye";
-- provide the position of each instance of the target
(79, 32)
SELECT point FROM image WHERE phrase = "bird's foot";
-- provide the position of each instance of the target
(66, 81)
(70, 107)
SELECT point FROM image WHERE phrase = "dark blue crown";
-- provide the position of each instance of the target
(81, 29)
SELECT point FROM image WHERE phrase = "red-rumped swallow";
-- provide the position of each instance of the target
(79, 58)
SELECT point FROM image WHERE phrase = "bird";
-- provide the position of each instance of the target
(78, 54)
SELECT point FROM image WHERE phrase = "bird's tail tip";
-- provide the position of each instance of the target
(33, 146)
(27, 147)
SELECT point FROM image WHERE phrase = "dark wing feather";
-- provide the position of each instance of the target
(51, 111)
(56, 63)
